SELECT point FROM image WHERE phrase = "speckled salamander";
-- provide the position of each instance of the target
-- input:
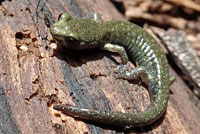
(124, 38)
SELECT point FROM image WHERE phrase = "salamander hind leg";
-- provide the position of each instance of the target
(93, 16)
(124, 73)
(172, 79)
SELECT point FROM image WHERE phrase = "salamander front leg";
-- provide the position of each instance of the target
(118, 49)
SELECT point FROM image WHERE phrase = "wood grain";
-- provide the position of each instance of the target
(34, 76)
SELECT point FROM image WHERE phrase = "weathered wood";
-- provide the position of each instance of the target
(34, 76)
(165, 13)
(7, 122)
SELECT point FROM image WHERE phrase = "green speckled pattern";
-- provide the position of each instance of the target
(82, 33)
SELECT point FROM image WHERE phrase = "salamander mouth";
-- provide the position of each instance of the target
(58, 38)
(70, 40)
(71, 43)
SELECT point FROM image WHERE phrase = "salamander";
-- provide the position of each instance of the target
(129, 41)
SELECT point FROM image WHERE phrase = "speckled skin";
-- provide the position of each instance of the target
(83, 33)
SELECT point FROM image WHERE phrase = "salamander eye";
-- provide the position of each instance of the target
(65, 16)
(60, 16)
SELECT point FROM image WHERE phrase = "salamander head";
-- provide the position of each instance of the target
(75, 33)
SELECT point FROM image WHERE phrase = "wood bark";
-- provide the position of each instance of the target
(34, 76)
